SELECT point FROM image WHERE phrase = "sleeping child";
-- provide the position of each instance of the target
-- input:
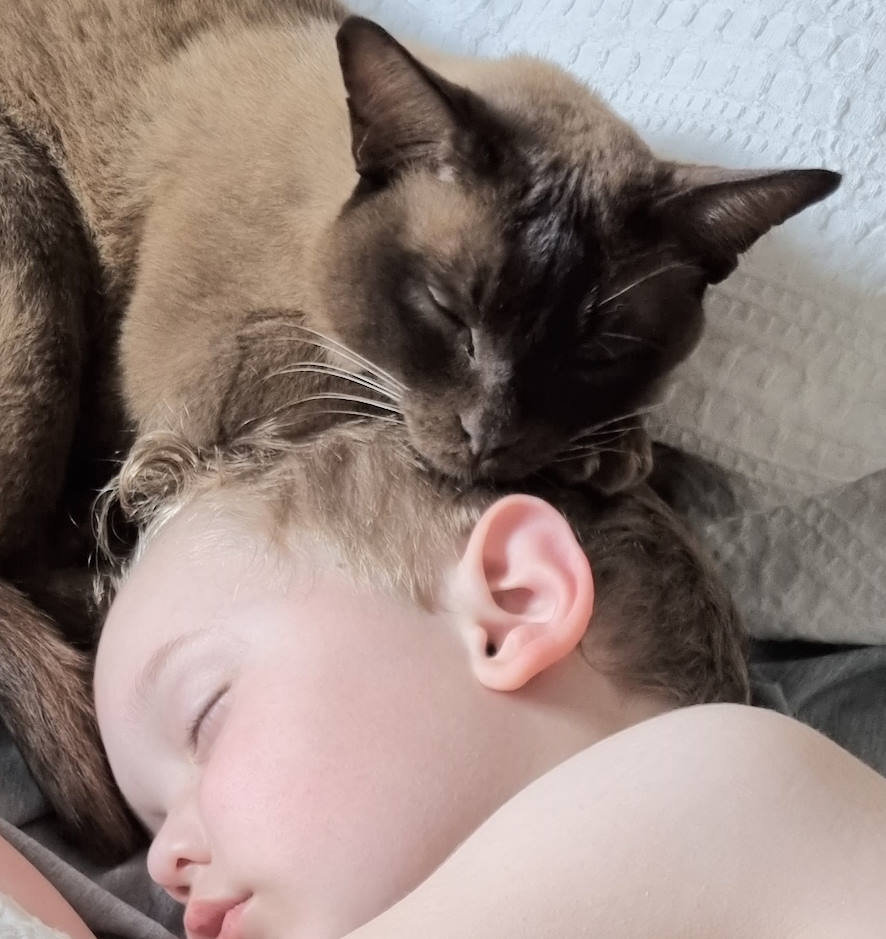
(346, 699)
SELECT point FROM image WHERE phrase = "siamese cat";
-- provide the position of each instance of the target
(220, 211)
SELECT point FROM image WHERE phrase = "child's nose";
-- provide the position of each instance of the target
(177, 850)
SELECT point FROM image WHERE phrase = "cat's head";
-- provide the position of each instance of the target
(518, 258)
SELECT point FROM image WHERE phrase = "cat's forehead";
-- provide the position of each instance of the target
(519, 251)
(538, 231)
(459, 227)
(558, 122)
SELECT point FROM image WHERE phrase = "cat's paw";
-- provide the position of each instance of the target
(624, 466)
(624, 463)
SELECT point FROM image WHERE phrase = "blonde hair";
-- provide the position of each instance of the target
(363, 494)
(664, 623)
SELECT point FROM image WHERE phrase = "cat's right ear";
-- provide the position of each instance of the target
(402, 113)
(719, 213)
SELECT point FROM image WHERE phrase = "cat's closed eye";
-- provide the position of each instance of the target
(440, 298)
(447, 306)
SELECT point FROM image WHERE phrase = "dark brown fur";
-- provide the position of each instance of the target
(210, 177)
(48, 420)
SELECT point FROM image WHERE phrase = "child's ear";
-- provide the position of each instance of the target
(523, 591)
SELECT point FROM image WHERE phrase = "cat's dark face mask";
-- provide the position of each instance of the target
(528, 273)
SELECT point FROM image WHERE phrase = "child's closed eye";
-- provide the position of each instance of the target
(204, 727)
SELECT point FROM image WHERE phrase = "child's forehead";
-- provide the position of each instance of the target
(220, 530)
(211, 568)
(198, 557)
(214, 550)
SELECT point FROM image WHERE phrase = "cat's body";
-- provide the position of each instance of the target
(72, 95)
(210, 143)
(518, 265)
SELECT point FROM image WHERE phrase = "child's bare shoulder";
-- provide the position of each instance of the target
(712, 820)
(720, 736)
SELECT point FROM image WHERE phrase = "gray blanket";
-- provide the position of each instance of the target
(119, 901)
(800, 566)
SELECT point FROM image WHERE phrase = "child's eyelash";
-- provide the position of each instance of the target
(197, 722)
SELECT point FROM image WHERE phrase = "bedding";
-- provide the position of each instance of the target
(15, 923)
(117, 902)
(840, 691)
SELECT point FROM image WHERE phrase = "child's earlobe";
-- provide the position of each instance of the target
(525, 653)
(525, 592)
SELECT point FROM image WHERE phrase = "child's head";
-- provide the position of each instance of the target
(323, 670)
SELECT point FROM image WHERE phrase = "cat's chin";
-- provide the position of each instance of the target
(465, 469)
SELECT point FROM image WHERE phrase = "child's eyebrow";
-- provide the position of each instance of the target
(158, 662)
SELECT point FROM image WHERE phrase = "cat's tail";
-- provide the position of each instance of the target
(46, 704)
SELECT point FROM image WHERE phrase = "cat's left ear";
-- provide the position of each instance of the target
(402, 113)
(718, 213)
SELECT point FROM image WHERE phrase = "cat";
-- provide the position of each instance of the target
(274, 209)
(510, 255)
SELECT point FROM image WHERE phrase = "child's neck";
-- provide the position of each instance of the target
(577, 706)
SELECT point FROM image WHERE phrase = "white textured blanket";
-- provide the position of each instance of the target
(787, 391)
(15, 923)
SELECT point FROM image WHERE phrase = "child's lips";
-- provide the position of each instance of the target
(214, 919)
(231, 928)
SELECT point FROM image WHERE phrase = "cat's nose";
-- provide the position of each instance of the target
(486, 441)
(471, 424)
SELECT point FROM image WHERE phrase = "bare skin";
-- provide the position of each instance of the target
(718, 820)
(36, 895)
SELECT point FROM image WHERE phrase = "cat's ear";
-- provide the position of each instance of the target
(402, 113)
(717, 214)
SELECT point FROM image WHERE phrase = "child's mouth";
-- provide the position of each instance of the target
(215, 919)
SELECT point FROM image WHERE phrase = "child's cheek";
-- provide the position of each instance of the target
(272, 792)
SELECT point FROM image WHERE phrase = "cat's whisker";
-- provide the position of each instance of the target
(593, 448)
(611, 432)
(584, 448)
(365, 365)
(599, 342)
(377, 418)
(309, 415)
(641, 280)
(639, 340)
(639, 412)
(626, 336)
(355, 417)
(353, 399)
(591, 452)
(323, 368)
(348, 352)
(291, 405)
(602, 437)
